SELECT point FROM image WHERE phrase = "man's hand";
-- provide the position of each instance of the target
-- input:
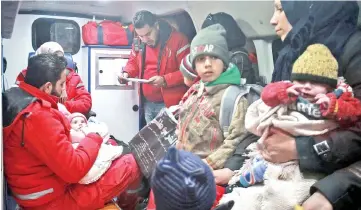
(63, 97)
(222, 176)
(294, 90)
(122, 77)
(157, 81)
(279, 147)
(317, 202)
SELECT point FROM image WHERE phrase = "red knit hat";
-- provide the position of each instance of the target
(186, 68)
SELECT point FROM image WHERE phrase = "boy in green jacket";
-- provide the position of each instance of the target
(199, 130)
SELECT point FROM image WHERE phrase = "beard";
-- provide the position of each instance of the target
(55, 93)
(155, 42)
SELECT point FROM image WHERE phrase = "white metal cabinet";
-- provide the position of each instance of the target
(114, 103)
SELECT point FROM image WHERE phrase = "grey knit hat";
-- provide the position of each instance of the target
(210, 41)
(182, 181)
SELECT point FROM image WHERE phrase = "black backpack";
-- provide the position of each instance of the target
(239, 56)
(235, 36)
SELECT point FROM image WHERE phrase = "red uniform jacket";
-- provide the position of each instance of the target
(176, 48)
(39, 160)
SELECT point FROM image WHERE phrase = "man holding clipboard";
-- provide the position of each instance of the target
(156, 63)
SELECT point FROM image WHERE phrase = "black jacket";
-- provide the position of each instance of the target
(342, 188)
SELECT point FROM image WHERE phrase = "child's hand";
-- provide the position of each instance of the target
(322, 99)
(294, 90)
(77, 136)
(86, 130)
(178, 145)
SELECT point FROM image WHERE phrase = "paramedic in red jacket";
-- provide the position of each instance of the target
(165, 49)
(76, 98)
(41, 166)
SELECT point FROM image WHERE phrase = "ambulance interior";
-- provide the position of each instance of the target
(25, 25)
(28, 24)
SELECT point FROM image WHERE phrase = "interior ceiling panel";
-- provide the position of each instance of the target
(253, 16)
(9, 10)
(82, 7)
(124, 9)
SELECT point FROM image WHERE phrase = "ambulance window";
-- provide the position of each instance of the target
(64, 32)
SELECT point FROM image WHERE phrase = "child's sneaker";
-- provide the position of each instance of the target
(253, 173)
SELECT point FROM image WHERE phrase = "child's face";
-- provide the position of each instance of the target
(310, 89)
(209, 68)
(77, 123)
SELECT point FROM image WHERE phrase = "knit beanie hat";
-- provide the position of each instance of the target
(50, 47)
(316, 64)
(181, 180)
(76, 114)
(210, 41)
(186, 68)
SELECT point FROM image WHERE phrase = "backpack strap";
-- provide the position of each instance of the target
(228, 103)
(230, 100)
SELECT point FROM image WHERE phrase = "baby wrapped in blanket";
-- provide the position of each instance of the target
(80, 126)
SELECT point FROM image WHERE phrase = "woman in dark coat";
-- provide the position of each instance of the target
(334, 24)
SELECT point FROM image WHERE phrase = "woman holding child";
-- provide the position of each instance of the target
(334, 24)
(301, 24)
